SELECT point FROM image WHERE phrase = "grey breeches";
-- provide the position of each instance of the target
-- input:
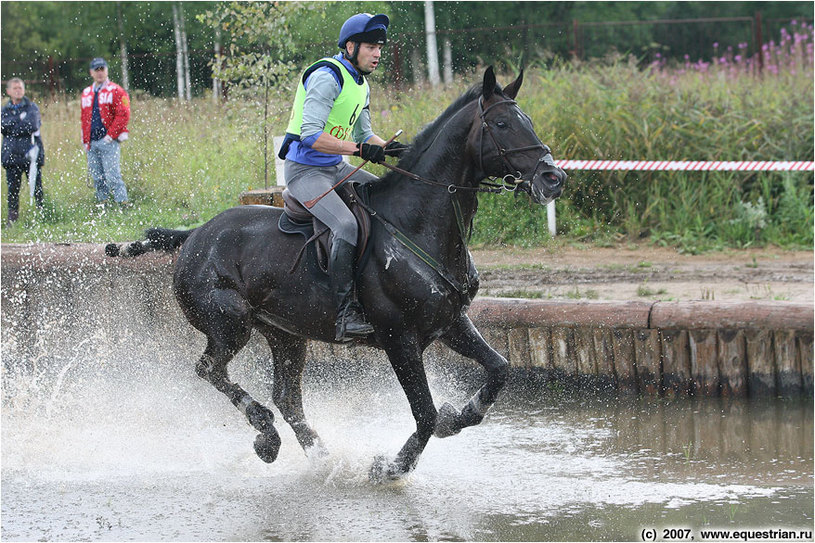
(308, 182)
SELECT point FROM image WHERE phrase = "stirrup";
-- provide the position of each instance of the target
(352, 315)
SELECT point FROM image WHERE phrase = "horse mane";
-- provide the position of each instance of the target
(428, 134)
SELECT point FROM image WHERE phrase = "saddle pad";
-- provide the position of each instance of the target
(289, 226)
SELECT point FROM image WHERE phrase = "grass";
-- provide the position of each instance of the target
(645, 291)
(576, 294)
(186, 162)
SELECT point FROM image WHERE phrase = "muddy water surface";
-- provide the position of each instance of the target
(115, 451)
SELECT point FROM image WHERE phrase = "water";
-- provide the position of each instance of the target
(115, 449)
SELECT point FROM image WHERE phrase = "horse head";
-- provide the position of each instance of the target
(507, 146)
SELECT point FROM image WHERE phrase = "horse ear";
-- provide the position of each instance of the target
(512, 89)
(489, 83)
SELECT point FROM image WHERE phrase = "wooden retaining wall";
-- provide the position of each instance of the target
(703, 348)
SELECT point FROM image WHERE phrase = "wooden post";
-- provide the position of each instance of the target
(760, 362)
(624, 360)
(540, 348)
(732, 363)
(563, 352)
(518, 343)
(788, 378)
(804, 340)
(703, 362)
(273, 196)
(649, 375)
(604, 358)
(584, 353)
(497, 338)
(676, 373)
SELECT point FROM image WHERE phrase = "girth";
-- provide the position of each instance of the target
(296, 219)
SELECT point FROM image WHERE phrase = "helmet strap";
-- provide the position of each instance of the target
(353, 58)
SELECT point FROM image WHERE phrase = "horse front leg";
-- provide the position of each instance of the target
(406, 360)
(465, 339)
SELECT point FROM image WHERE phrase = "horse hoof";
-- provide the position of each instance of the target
(260, 417)
(267, 445)
(384, 471)
(448, 421)
(317, 450)
(112, 250)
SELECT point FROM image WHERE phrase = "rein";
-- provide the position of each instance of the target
(509, 183)
(451, 188)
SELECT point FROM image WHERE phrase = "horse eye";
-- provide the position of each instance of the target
(501, 124)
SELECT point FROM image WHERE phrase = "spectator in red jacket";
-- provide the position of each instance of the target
(105, 114)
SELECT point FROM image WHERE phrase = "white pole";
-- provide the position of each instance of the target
(550, 218)
(432, 50)
(447, 49)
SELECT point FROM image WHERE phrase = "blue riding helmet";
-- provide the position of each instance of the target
(364, 27)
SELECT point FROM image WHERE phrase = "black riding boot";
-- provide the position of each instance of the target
(350, 320)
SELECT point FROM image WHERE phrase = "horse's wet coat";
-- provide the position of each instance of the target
(233, 274)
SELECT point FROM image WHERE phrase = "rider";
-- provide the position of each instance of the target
(330, 118)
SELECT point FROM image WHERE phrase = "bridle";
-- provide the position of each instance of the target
(511, 177)
(509, 182)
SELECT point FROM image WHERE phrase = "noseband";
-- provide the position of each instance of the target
(510, 178)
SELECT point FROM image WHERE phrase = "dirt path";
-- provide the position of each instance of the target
(640, 272)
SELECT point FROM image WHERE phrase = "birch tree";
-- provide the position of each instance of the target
(123, 48)
(182, 60)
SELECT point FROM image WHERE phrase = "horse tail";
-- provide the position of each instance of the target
(157, 239)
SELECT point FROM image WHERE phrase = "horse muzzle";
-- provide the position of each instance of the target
(547, 181)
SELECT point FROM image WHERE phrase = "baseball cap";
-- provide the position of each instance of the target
(97, 63)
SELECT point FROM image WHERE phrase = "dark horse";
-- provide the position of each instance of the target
(234, 273)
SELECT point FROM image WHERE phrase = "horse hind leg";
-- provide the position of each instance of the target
(289, 356)
(228, 332)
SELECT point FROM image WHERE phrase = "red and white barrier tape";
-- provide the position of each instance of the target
(678, 165)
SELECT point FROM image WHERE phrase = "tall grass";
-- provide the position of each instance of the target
(186, 162)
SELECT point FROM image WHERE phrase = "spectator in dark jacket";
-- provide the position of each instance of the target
(21, 135)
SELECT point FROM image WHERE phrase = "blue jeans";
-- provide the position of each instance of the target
(103, 165)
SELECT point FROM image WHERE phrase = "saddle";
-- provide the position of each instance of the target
(296, 219)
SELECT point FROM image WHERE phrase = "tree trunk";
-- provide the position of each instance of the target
(179, 58)
(185, 53)
(216, 83)
(447, 49)
(432, 50)
(123, 49)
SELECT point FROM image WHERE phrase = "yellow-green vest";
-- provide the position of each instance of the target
(347, 107)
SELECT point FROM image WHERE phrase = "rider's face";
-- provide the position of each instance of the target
(368, 56)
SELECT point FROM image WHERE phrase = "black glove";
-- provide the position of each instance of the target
(395, 148)
(371, 152)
